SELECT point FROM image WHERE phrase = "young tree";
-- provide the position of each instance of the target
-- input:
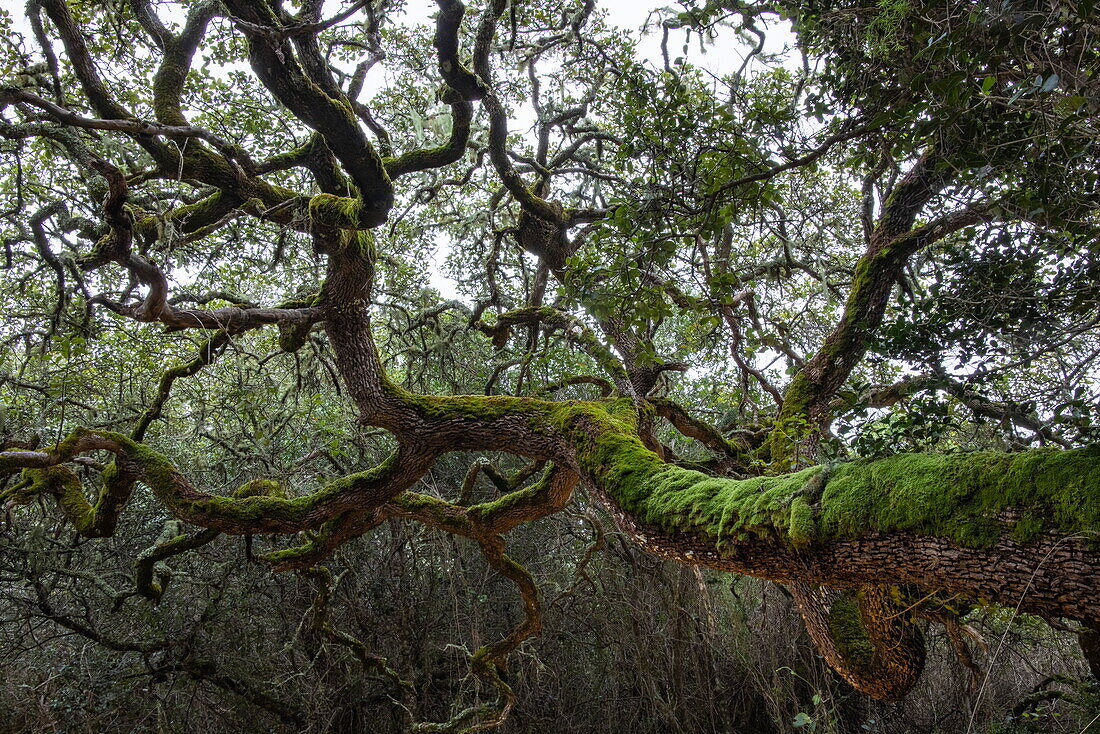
(907, 223)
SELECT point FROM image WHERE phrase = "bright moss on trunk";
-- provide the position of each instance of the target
(972, 499)
(848, 634)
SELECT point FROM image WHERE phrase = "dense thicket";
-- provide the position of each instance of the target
(822, 311)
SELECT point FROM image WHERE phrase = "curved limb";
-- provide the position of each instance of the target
(488, 661)
(958, 635)
(865, 635)
(240, 515)
(891, 520)
(462, 88)
(92, 521)
(320, 545)
(206, 354)
(319, 613)
(207, 671)
(580, 573)
(485, 523)
(151, 581)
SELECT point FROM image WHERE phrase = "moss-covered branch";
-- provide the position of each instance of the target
(245, 514)
(91, 520)
(151, 581)
(205, 355)
(971, 499)
(806, 401)
(866, 635)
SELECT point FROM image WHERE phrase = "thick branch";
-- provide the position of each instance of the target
(275, 64)
(806, 401)
(245, 514)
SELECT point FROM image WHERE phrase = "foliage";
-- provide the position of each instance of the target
(352, 280)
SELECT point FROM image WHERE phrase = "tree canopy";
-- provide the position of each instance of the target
(812, 296)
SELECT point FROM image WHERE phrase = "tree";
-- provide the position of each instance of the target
(656, 222)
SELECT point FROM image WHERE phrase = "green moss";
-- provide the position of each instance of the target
(968, 498)
(188, 217)
(293, 337)
(965, 496)
(93, 521)
(848, 634)
(10, 465)
(972, 499)
(670, 498)
(61, 483)
(336, 211)
(166, 90)
(261, 488)
(517, 501)
(1027, 528)
(483, 511)
(67, 447)
(473, 407)
(790, 427)
(265, 510)
(444, 514)
(308, 553)
(801, 526)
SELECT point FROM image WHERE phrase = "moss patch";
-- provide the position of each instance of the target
(336, 211)
(965, 496)
(673, 499)
(848, 634)
(802, 529)
(971, 499)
